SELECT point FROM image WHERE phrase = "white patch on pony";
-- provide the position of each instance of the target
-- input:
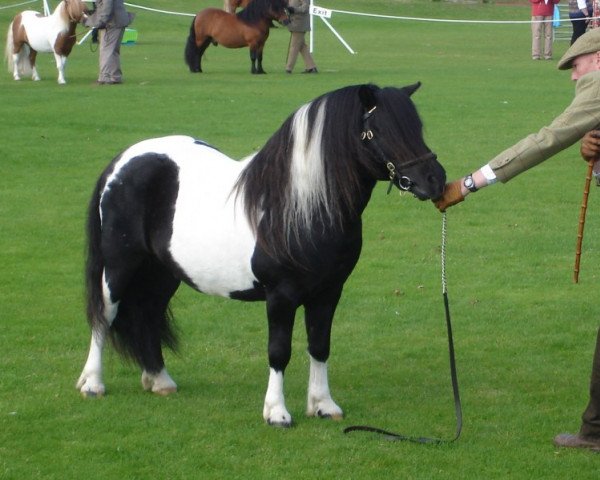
(308, 183)
(43, 31)
(319, 402)
(212, 240)
(274, 410)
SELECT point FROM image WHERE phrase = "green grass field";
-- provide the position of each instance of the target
(524, 332)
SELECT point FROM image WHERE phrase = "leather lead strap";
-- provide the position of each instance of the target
(453, 375)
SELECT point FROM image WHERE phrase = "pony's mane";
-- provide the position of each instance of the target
(71, 10)
(310, 174)
(258, 9)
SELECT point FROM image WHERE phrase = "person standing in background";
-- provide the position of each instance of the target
(111, 18)
(579, 12)
(298, 26)
(542, 12)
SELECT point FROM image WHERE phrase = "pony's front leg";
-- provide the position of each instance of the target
(319, 402)
(256, 60)
(61, 62)
(90, 381)
(280, 312)
(318, 318)
(274, 410)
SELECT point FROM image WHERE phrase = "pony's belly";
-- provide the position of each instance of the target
(215, 269)
(213, 246)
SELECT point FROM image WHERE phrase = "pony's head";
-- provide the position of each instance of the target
(266, 9)
(74, 10)
(392, 131)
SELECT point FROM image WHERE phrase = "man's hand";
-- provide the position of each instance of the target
(451, 196)
(590, 146)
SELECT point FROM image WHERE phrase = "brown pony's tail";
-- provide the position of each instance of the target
(192, 52)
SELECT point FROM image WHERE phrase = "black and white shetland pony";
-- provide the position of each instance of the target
(283, 226)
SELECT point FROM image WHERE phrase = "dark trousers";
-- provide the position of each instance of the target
(590, 426)
(579, 25)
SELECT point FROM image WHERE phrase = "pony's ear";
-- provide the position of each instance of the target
(366, 93)
(410, 89)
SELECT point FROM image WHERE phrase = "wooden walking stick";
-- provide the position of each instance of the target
(586, 192)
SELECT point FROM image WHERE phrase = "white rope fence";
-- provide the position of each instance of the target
(325, 13)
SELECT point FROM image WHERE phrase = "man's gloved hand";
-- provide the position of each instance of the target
(451, 196)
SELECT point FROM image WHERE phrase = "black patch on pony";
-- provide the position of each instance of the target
(141, 201)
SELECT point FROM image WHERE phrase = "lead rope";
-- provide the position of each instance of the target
(457, 405)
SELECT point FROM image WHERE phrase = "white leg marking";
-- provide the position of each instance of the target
(90, 381)
(160, 383)
(34, 74)
(60, 65)
(274, 411)
(16, 75)
(320, 403)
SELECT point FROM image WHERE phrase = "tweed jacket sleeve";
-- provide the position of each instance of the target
(581, 116)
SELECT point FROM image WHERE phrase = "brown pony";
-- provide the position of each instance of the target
(250, 28)
(230, 6)
(30, 33)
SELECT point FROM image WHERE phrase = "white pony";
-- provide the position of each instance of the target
(30, 32)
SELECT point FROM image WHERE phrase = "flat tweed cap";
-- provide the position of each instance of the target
(589, 42)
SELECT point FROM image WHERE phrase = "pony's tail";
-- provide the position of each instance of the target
(94, 266)
(143, 320)
(8, 51)
(24, 67)
(192, 52)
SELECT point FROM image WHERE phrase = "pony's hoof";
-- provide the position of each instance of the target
(164, 392)
(92, 391)
(90, 387)
(283, 423)
(91, 394)
(325, 408)
(277, 416)
(160, 383)
(338, 417)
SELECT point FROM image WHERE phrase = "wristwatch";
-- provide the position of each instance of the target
(469, 183)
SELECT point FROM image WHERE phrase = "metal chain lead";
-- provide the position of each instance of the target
(444, 233)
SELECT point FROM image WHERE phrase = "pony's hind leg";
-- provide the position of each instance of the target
(141, 326)
(34, 73)
(15, 65)
(90, 382)
(201, 49)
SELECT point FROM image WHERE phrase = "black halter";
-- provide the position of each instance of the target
(404, 181)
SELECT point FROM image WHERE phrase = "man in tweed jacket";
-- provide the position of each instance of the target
(577, 121)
